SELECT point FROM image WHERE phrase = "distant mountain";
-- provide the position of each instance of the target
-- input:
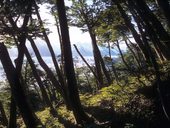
(84, 48)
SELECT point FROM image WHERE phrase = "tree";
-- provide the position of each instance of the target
(86, 63)
(20, 11)
(78, 111)
(17, 91)
(161, 46)
(165, 7)
(3, 117)
(86, 17)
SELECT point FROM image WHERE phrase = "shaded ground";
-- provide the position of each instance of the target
(117, 107)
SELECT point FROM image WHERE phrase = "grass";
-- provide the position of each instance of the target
(115, 105)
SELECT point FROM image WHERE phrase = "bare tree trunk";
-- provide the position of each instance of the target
(13, 117)
(50, 74)
(123, 59)
(60, 39)
(132, 29)
(27, 113)
(59, 73)
(78, 111)
(133, 53)
(161, 50)
(113, 67)
(4, 118)
(39, 81)
(159, 29)
(87, 64)
(98, 59)
(165, 7)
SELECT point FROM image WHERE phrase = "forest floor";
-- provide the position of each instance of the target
(116, 106)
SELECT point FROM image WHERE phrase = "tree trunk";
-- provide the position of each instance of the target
(78, 111)
(159, 29)
(87, 64)
(132, 29)
(13, 115)
(59, 74)
(98, 59)
(27, 113)
(39, 81)
(60, 39)
(123, 59)
(161, 50)
(113, 67)
(3, 115)
(134, 55)
(165, 7)
(50, 74)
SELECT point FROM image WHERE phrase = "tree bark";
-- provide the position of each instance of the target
(39, 81)
(132, 29)
(133, 53)
(13, 115)
(27, 113)
(50, 74)
(3, 115)
(165, 7)
(78, 111)
(159, 29)
(59, 74)
(161, 50)
(113, 67)
(143, 23)
(121, 54)
(87, 64)
(98, 59)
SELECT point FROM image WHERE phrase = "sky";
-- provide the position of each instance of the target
(82, 40)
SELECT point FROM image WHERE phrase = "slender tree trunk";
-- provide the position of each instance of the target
(161, 50)
(13, 115)
(165, 7)
(137, 50)
(158, 78)
(60, 39)
(78, 111)
(132, 29)
(123, 59)
(27, 113)
(4, 118)
(50, 74)
(133, 53)
(159, 29)
(39, 81)
(113, 67)
(96, 60)
(59, 74)
(87, 64)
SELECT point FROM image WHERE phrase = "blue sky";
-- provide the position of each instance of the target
(82, 40)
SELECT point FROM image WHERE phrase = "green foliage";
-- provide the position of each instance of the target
(48, 120)
(116, 95)
(51, 122)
